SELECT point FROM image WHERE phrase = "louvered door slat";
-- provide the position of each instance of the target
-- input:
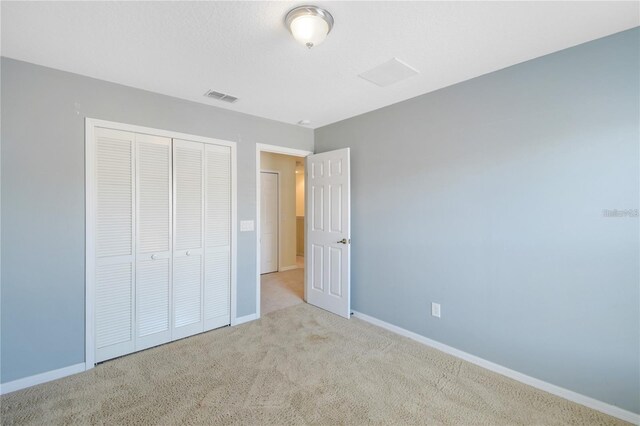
(154, 193)
(218, 196)
(114, 193)
(113, 304)
(186, 296)
(188, 194)
(217, 289)
(152, 288)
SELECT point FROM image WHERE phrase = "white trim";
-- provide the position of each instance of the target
(234, 232)
(288, 268)
(90, 232)
(260, 147)
(246, 318)
(37, 379)
(275, 149)
(90, 216)
(587, 401)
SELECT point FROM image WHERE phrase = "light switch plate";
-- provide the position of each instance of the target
(246, 225)
(435, 310)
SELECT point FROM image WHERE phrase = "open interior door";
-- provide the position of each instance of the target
(328, 231)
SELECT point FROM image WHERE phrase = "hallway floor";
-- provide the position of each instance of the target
(280, 290)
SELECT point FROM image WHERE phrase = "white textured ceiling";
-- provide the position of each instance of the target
(183, 49)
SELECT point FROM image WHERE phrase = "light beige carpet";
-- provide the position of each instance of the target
(298, 365)
(280, 290)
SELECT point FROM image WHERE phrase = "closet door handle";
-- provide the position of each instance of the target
(188, 253)
(154, 257)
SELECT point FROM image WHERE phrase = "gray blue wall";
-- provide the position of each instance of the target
(487, 197)
(43, 112)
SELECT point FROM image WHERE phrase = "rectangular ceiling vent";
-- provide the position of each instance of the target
(220, 96)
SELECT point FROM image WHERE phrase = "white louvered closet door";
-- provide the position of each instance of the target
(162, 249)
(153, 253)
(217, 254)
(114, 244)
(188, 191)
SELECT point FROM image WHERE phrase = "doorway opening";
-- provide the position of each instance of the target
(280, 227)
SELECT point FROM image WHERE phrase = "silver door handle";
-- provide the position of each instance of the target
(154, 257)
(188, 253)
(344, 241)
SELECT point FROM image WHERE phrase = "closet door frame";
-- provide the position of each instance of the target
(90, 217)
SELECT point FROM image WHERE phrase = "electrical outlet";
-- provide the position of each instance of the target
(435, 310)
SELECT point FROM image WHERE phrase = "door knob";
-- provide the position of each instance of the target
(154, 257)
(343, 241)
(188, 253)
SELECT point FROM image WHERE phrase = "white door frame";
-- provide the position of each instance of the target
(90, 217)
(275, 149)
(277, 173)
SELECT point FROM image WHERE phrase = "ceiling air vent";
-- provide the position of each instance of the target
(220, 96)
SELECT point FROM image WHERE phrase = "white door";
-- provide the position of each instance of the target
(268, 222)
(153, 241)
(328, 239)
(188, 183)
(114, 244)
(160, 262)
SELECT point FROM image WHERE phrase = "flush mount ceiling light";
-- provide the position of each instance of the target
(309, 25)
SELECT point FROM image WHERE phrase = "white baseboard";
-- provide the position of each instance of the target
(246, 318)
(587, 401)
(288, 268)
(37, 379)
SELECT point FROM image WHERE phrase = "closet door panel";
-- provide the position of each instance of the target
(217, 271)
(153, 267)
(188, 183)
(115, 244)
